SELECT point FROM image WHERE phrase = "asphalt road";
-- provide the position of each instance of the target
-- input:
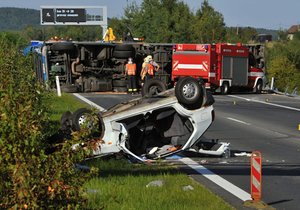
(267, 123)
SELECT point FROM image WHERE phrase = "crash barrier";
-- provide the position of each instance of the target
(256, 179)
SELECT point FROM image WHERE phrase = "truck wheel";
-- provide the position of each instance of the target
(62, 46)
(123, 54)
(153, 87)
(189, 92)
(124, 47)
(258, 87)
(225, 88)
(119, 83)
(120, 89)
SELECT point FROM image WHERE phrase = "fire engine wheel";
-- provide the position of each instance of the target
(258, 87)
(225, 88)
(83, 118)
(63, 46)
(189, 93)
(153, 87)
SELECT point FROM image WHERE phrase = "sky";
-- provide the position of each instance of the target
(269, 14)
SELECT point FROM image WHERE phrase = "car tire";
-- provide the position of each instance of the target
(79, 118)
(62, 46)
(66, 121)
(152, 87)
(189, 92)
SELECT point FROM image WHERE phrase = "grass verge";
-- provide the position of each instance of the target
(59, 105)
(122, 185)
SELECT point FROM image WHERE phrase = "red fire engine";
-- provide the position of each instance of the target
(221, 66)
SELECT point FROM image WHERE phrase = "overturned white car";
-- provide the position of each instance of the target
(154, 127)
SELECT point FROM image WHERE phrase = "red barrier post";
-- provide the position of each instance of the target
(256, 178)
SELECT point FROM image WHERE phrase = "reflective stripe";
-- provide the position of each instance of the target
(150, 69)
(192, 66)
(131, 68)
(256, 74)
(211, 74)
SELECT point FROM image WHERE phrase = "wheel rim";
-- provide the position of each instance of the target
(189, 91)
(82, 121)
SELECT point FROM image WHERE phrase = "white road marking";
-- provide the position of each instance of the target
(226, 185)
(268, 103)
(239, 121)
(89, 102)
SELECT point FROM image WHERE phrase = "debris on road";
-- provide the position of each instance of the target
(156, 183)
(187, 188)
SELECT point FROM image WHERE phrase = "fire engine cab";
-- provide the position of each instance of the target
(221, 66)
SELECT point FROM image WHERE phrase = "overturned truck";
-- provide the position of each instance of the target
(95, 66)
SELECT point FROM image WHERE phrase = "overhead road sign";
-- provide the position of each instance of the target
(73, 15)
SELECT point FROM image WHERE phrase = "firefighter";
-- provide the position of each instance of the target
(130, 71)
(143, 71)
(150, 68)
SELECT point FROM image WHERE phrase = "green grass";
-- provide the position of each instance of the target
(122, 185)
(59, 105)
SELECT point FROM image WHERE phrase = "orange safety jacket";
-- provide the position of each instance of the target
(130, 69)
(150, 69)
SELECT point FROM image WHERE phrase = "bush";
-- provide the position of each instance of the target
(285, 73)
(30, 178)
(283, 63)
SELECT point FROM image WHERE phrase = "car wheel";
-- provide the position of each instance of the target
(80, 117)
(225, 88)
(153, 87)
(189, 92)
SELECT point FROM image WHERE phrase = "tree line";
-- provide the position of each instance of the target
(172, 21)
